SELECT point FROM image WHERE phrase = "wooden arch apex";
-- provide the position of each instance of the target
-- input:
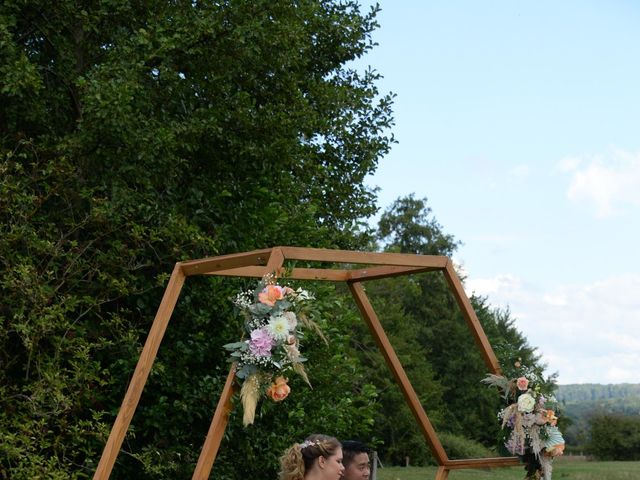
(356, 267)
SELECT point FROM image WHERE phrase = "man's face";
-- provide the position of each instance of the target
(358, 469)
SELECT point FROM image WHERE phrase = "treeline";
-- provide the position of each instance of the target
(614, 437)
(594, 391)
(599, 418)
(137, 135)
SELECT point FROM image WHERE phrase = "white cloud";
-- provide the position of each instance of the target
(589, 333)
(608, 183)
(520, 171)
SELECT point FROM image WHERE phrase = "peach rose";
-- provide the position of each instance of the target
(270, 295)
(556, 450)
(522, 383)
(550, 417)
(279, 390)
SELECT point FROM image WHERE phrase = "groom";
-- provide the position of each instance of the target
(355, 458)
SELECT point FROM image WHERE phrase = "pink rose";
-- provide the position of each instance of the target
(522, 383)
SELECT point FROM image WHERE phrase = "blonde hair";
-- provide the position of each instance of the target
(299, 458)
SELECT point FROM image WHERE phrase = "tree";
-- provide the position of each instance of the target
(136, 134)
(614, 437)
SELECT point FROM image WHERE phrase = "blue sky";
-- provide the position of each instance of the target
(520, 122)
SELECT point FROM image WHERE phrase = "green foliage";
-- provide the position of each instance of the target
(614, 437)
(137, 134)
(583, 401)
(594, 392)
(461, 447)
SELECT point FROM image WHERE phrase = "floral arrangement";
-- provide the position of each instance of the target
(529, 421)
(274, 316)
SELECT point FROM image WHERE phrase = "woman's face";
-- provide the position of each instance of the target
(332, 466)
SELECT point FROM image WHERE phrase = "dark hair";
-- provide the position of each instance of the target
(299, 458)
(351, 448)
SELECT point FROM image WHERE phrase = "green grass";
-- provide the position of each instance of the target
(563, 469)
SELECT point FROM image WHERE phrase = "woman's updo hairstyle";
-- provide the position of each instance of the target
(299, 458)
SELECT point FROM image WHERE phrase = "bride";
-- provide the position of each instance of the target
(319, 457)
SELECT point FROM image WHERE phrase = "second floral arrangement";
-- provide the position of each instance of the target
(529, 421)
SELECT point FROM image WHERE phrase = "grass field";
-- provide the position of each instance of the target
(563, 469)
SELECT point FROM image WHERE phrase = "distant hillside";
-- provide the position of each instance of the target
(595, 391)
(580, 401)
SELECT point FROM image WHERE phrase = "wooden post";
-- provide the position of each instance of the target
(217, 428)
(472, 320)
(140, 375)
(374, 465)
(442, 473)
(396, 368)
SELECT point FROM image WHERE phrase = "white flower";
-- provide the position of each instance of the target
(303, 295)
(243, 299)
(278, 327)
(526, 403)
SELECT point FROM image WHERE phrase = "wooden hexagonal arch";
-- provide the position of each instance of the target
(260, 262)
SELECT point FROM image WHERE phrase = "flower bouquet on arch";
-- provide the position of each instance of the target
(529, 420)
(274, 318)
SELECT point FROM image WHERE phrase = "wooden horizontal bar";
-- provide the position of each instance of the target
(371, 258)
(482, 462)
(318, 274)
(225, 262)
(376, 273)
(295, 273)
(254, 271)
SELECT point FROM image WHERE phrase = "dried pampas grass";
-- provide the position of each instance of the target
(249, 396)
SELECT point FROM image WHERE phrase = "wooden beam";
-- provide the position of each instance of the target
(255, 271)
(375, 273)
(216, 429)
(370, 317)
(276, 259)
(140, 375)
(442, 473)
(226, 262)
(472, 320)
(369, 258)
(294, 273)
(319, 274)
